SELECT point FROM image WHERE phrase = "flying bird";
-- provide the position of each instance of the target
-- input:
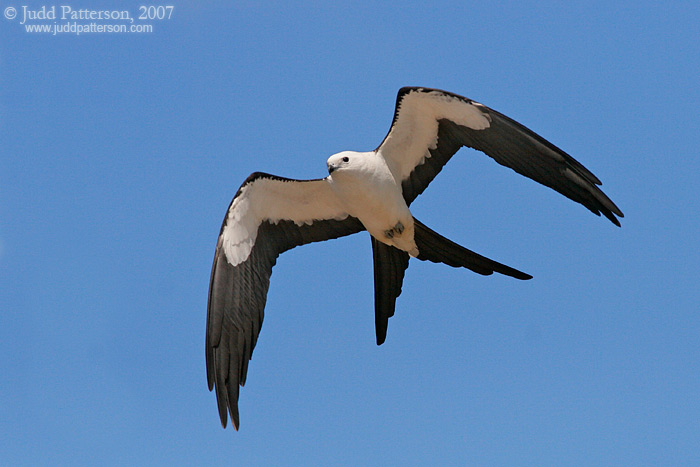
(369, 191)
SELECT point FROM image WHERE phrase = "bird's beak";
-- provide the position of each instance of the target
(331, 168)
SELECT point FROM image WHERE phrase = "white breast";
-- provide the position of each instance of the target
(369, 191)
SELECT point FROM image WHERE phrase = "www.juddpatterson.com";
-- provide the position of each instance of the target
(78, 28)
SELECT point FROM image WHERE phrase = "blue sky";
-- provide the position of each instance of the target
(121, 152)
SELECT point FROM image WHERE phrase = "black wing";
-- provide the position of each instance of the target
(238, 292)
(508, 142)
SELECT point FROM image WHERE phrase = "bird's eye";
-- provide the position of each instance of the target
(345, 159)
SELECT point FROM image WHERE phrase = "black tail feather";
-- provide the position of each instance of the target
(434, 247)
(389, 267)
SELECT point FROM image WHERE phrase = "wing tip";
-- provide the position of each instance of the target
(232, 411)
(381, 336)
(610, 215)
(511, 272)
(235, 422)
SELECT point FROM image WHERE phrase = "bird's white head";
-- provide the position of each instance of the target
(340, 161)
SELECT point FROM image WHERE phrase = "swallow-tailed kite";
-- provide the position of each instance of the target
(367, 191)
